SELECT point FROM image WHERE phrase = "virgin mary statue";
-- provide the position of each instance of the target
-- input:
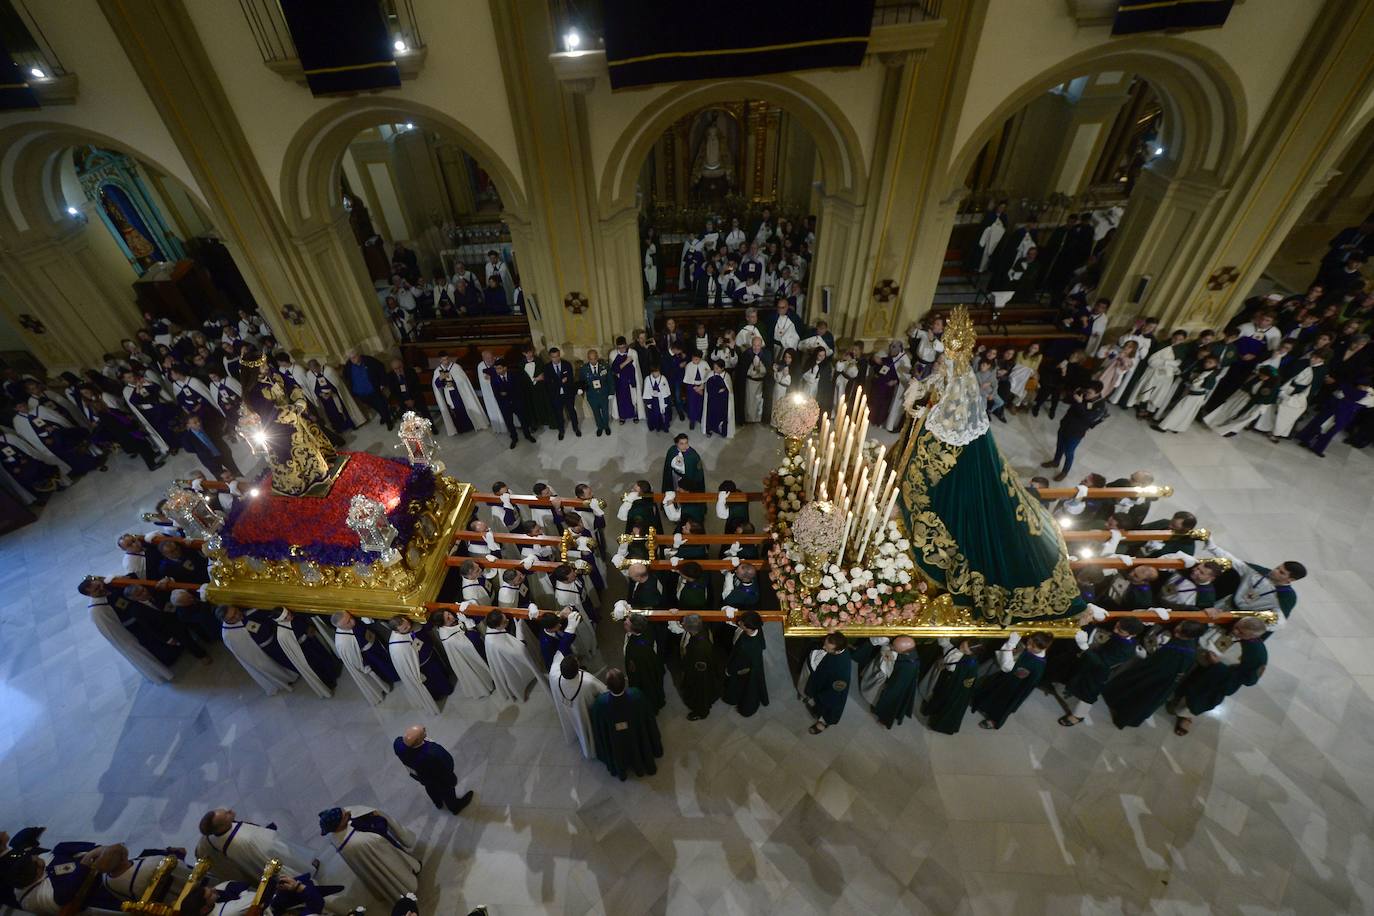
(975, 531)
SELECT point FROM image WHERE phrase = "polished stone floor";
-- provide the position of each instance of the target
(1263, 809)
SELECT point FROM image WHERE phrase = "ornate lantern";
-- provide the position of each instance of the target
(417, 435)
(367, 518)
(251, 430)
(194, 515)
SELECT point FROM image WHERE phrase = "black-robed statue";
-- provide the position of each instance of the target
(302, 458)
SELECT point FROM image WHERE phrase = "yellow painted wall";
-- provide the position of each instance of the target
(461, 77)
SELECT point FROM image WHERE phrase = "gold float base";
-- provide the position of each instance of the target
(934, 618)
(400, 590)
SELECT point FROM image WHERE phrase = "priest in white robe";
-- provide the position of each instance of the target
(241, 849)
(237, 632)
(509, 658)
(574, 690)
(377, 849)
(456, 634)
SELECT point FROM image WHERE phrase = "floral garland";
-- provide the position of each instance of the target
(274, 527)
(890, 587)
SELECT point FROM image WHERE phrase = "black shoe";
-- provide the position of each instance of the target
(1051, 412)
(577, 432)
(439, 804)
(529, 437)
(463, 802)
(514, 443)
(560, 435)
(1035, 410)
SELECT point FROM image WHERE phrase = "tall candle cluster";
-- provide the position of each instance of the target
(864, 494)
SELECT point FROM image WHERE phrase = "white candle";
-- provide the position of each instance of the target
(827, 458)
(844, 538)
(808, 472)
(814, 479)
(840, 474)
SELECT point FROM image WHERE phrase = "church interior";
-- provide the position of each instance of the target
(324, 594)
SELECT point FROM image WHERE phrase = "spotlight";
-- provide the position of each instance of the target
(253, 492)
(1065, 521)
(37, 73)
(1084, 553)
(260, 437)
(572, 40)
(410, 125)
(400, 45)
(72, 211)
(1159, 151)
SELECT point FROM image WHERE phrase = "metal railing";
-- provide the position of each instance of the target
(899, 12)
(268, 25)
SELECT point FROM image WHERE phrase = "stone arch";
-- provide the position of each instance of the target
(842, 159)
(1204, 102)
(31, 181)
(314, 157)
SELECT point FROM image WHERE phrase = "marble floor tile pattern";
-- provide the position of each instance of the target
(1263, 809)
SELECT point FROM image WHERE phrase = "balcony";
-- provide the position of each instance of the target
(268, 24)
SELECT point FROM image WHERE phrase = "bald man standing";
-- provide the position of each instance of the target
(431, 765)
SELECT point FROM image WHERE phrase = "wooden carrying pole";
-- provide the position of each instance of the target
(1150, 492)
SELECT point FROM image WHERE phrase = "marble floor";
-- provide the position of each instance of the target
(1263, 809)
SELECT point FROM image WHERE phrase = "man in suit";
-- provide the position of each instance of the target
(431, 765)
(209, 447)
(365, 377)
(562, 389)
(403, 387)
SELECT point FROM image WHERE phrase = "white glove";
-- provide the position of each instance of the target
(1082, 493)
(505, 501)
(196, 485)
(1188, 560)
(201, 591)
(734, 562)
(670, 496)
(490, 540)
(729, 612)
(672, 510)
(1081, 637)
(733, 549)
(596, 508)
(675, 628)
(1140, 652)
(528, 561)
(675, 561)
(1161, 612)
(1099, 613)
(573, 620)
(721, 511)
(463, 607)
(491, 557)
(1126, 559)
(584, 544)
(621, 610)
(1012, 642)
(629, 498)
(532, 610)
(678, 539)
(1113, 539)
(1163, 638)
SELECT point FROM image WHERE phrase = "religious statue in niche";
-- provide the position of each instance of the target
(143, 251)
(715, 137)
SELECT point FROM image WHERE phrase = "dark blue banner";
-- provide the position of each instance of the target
(660, 43)
(343, 45)
(1133, 16)
(15, 91)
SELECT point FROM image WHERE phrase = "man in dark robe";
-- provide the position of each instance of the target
(431, 765)
(948, 701)
(700, 678)
(683, 464)
(746, 686)
(1236, 659)
(897, 701)
(643, 665)
(1088, 674)
(827, 673)
(624, 730)
(1136, 693)
(1000, 695)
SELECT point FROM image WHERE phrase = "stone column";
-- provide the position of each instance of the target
(165, 51)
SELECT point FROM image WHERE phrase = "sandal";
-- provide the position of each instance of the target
(988, 724)
(817, 728)
(1069, 721)
(1183, 726)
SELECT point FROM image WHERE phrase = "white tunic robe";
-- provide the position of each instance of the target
(498, 423)
(388, 872)
(405, 655)
(874, 677)
(573, 699)
(291, 645)
(463, 390)
(370, 684)
(509, 661)
(107, 622)
(244, 850)
(1292, 403)
(1185, 411)
(269, 675)
(1157, 381)
(474, 678)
